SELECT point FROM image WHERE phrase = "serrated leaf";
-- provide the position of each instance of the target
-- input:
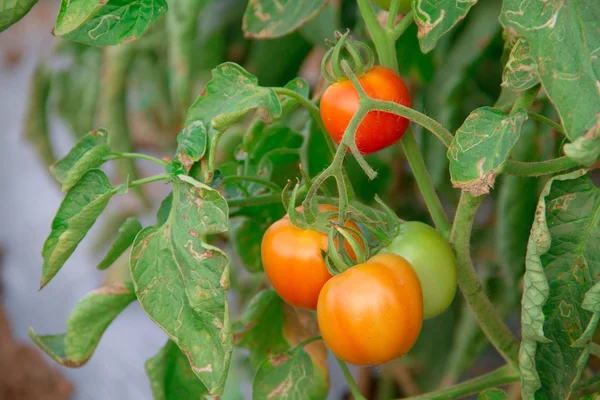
(191, 144)
(87, 154)
(246, 237)
(268, 19)
(228, 96)
(436, 18)
(288, 376)
(520, 72)
(13, 10)
(77, 213)
(564, 45)
(181, 282)
(36, 119)
(269, 327)
(107, 22)
(171, 377)
(86, 325)
(493, 394)
(562, 266)
(481, 146)
(127, 233)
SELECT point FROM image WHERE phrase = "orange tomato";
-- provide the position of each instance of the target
(372, 313)
(378, 129)
(293, 263)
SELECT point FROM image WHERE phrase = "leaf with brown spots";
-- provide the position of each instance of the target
(181, 282)
(274, 18)
(560, 301)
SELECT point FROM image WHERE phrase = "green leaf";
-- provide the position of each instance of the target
(246, 237)
(228, 96)
(287, 376)
(77, 213)
(171, 376)
(322, 27)
(559, 306)
(435, 19)
(87, 154)
(107, 22)
(298, 85)
(268, 19)
(164, 210)
(191, 144)
(36, 120)
(13, 10)
(520, 72)
(481, 146)
(127, 233)
(86, 324)
(564, 45)
(493, 394)
(181, 282)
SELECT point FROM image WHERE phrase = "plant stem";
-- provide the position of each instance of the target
(143, 181)
(385, 42)
(539, 168)
(485, 314)
(353, 388)
(403, 25)
(557, 127)
(413, 155)
(525, 99)
(114, 155)
(499, 377)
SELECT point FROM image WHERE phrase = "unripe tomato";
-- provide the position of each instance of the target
(292, 260)
(378, 129)
(433, 261)
(405, 5)
(372, 313)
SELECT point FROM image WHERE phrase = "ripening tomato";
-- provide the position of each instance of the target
(378, 129)
(433, 261)
(405, 5)
(372, 313)
(293, 263)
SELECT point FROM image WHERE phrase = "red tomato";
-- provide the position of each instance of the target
(293, 263)
(378, 129)
(372, 313)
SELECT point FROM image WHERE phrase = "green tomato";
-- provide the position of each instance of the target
(432, 259)
(405, 5)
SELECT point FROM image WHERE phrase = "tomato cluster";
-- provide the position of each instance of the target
(373, 312)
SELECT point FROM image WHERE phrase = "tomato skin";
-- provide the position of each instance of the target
(372, 313)
(432, 259)
(293, 263)
(378, 130)
(405, 5)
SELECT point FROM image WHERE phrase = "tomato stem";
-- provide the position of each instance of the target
(539, 168)
(557, 127)
(499, 377)
(143, 181)
(403, 25)
(351, 383)
(115, 155)
(488, 319)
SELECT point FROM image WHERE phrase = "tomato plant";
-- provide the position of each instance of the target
(433, 260)
(372, 313)
(378, 130)
(221, 117)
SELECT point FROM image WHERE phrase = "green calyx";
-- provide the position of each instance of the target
(357, 54)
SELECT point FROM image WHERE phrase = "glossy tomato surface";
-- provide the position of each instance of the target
(378, 130)
(405, 5)
(372, 313)
(432, 259)
(293, 263)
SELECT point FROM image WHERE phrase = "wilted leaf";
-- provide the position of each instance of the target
(481, 146)
(127, 233)
(107, 22)
(520, 72)
(436, 18)
(181, 281)
(77, 213)
(87, 154)
(559, 306)
(13, 10)
(191, 144)
(171, 376)
(564, 44)
(86, 324)
(36, 118)
(270, 19)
